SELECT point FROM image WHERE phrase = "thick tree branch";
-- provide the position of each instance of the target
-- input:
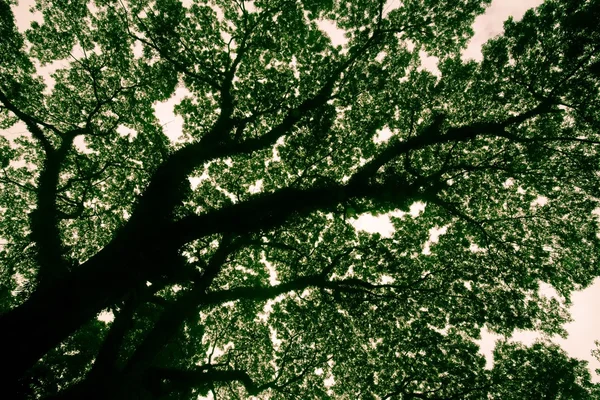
(44, 220)
(206, 376)
(453, 134)
(255, 293)
(266, 211)
(176, 313)
(165, 189)
(107, 355)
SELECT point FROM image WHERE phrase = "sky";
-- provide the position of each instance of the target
(585, 327)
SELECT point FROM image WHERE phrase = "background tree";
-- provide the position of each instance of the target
(254, 282)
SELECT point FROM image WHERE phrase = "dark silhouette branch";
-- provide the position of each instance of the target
(453, 134)
(265, 211)
(44, 219)
(30, 122)
(203, 378)
(164, 191)
(262, 293)
(176, 313)
(9, 180)
(106, 358)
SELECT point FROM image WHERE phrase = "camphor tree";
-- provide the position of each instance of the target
(253, 281)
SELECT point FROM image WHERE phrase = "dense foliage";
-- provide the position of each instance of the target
(228, 258)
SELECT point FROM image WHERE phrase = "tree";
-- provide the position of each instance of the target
(542, 371)
(252, 281)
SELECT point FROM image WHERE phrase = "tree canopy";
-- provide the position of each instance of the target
(228, 257)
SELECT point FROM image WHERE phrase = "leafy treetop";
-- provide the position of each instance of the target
(253, 282)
